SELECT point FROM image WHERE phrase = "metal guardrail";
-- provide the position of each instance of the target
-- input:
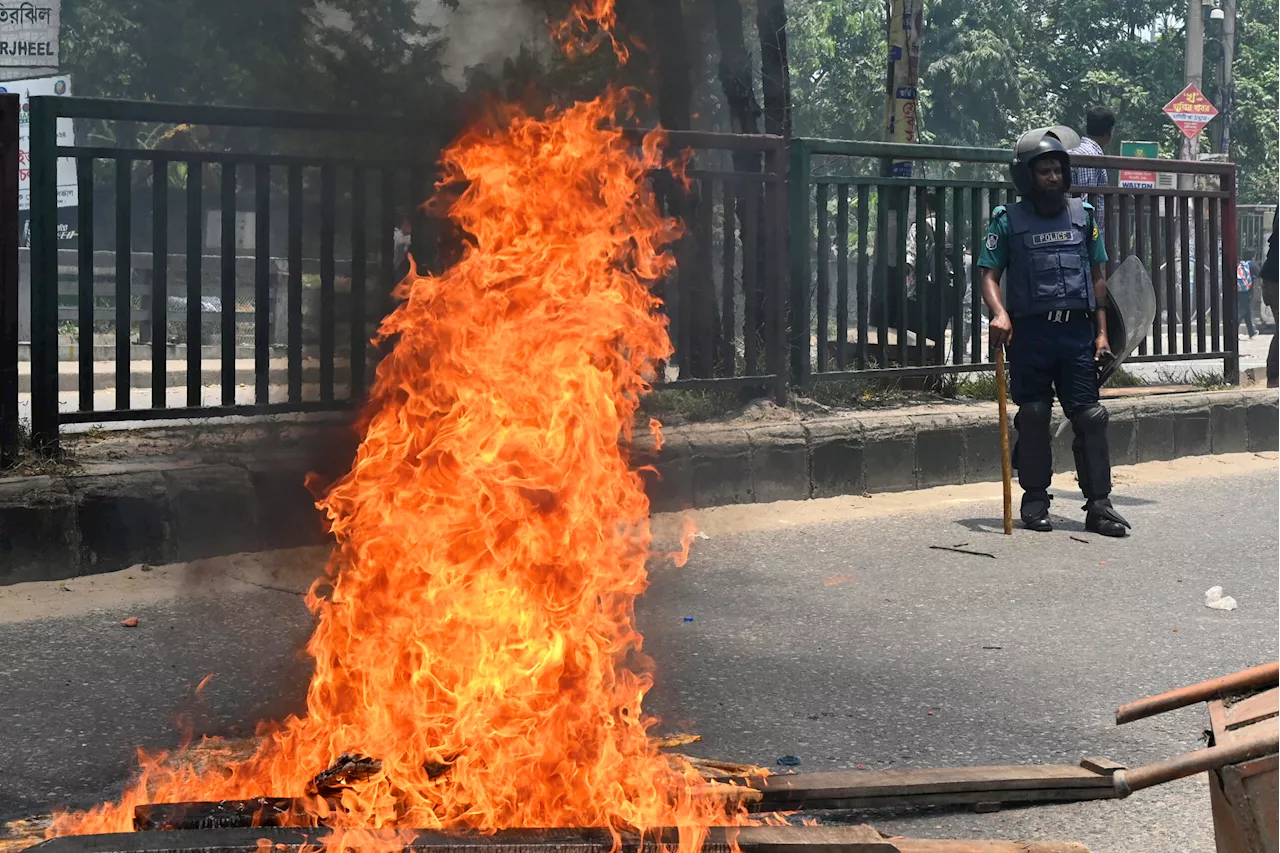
(785, 275)
(882, 316)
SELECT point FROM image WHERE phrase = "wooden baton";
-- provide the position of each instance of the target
(1006, 466)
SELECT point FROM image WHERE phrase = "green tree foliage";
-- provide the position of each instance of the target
(993, 68)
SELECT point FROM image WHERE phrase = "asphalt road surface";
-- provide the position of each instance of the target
(826, 630)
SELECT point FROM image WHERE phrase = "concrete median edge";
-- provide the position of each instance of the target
(109, 516)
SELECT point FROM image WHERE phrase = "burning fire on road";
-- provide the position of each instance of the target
(477, 664)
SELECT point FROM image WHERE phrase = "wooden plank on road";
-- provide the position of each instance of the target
(979, 787)
(810, 787)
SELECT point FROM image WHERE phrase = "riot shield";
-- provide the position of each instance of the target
(1131, 308)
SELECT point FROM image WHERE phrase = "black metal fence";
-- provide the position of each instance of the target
(294, 317)
(251, 278)
(726, 299)
(884, 275)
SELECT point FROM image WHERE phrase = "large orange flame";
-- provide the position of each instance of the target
(479, 637)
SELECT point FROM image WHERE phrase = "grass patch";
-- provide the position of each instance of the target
(27, 460)
(976, 386)
(1124, 379)
(694, 404)
(854, 393)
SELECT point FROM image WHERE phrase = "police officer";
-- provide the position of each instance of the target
(1055, 326)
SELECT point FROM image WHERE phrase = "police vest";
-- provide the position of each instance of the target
(1048, 259)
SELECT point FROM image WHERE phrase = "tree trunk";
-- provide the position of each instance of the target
(775, 73)
(735, 70)
(736, 78)
(675, 76)
(691, 302)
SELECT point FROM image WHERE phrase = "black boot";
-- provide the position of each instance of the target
(1101, 518)
(1035, 511)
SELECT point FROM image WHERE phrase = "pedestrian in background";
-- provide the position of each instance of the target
(1099, 125)
(1244, 295)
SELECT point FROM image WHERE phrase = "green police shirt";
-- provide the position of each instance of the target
(995, 250)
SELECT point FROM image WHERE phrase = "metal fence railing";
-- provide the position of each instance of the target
(247, 274)
(726, 299)
(883, 270)
(306, 332)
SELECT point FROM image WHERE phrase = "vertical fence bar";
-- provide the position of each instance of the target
(842, 277)
(123, 279)
(294, 333)
(976, 219)
(679, 207)
(160, 282)
(728, 241)
(824, 277)
(1125, 246)
(195, 281)
(751, 278)
(1215, 275)
(958, 276)
(881, 281)
(386, 239)
(1171, 294)
(777, 312)
(1109, 225)
(84, 285)
(705, 309)
(899, 253)
(1157, 277)
(328, 193)
(262, 284)
(44, 273)
(1184, 235)
(1230, 254)
(798, 183)
(9, 151)
(921, 276)
(124, 276)
(1203, 255)
(864, 273)
(227, 337)
(359, 272)
(1140, 249)
(940, 283)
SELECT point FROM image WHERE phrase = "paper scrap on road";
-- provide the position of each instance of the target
(1213, 598)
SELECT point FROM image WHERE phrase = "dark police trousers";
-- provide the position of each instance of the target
(1047, 357)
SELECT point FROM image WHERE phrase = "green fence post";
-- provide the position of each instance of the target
(9, 111)
(798, 248)
(44, 274)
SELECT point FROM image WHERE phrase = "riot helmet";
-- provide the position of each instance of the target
(1034, 144)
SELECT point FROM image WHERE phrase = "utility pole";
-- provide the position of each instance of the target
(1227, 76)
(1194, 74)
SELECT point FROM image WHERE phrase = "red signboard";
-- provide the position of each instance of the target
(1190, 111)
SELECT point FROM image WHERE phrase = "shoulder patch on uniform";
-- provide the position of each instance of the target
(993, 240)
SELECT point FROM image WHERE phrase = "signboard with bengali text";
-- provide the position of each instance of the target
(1190, 111)
(68, 195)
(29, 33)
